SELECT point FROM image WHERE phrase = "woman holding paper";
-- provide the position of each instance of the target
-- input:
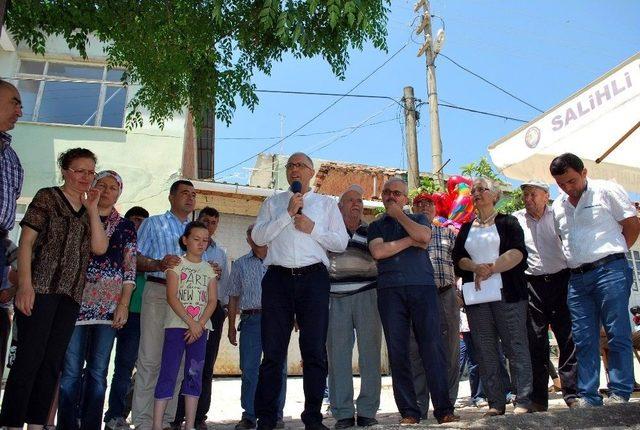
(490, 256)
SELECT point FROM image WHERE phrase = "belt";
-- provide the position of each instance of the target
(297, 271)
(251, 311)
(547, 277)
(157, 280)
(445, 288)
(587, 267)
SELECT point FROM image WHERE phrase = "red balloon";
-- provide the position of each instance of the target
(455, 180)
(443, 204)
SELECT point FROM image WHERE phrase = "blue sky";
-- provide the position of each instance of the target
(542, 51)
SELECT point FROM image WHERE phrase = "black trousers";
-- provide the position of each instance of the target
(285, 296)
(43, 338)
(548, 306)
(213, 346)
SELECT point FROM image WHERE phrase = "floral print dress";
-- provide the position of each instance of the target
(107, 273)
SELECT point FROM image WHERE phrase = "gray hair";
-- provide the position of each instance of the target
(302, 154)
(492, 184)
(396, 179)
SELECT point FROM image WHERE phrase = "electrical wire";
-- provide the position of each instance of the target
(489, 82)
(318, 114)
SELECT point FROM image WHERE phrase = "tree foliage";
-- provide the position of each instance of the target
(202, 53)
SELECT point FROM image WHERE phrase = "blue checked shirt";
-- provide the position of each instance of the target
(245, 281)
(440, 250)
(215, 254)
(158, 236)
(11, 179)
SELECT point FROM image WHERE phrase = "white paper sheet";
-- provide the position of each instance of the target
(490, 291)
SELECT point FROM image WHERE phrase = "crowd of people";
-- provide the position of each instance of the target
(84, 277)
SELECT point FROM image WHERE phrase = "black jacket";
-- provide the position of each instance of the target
(514, 283)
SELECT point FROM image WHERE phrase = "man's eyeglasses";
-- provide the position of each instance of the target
(479, 190)
(290, 166)
(423, 203)
(82, 172)
(394, 193)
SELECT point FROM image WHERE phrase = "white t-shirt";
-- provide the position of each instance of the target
(483, 244)
(193, 291)
(591, 230)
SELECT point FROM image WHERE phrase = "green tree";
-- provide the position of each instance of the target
(511, 200)
(202, 53)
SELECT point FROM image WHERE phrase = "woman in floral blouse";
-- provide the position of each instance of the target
(104, 309)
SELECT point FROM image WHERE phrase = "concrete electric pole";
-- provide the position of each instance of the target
(413, 172)
(431, 52)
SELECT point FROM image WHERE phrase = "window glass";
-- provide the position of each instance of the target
(114, 103)
(114, 75)
(28, 89)
(32, 67)
(69, 103)
(75, 71)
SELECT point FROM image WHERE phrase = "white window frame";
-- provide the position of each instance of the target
(44, 77)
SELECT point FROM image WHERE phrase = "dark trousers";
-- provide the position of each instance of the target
(548, 306)
(42, 343)
(414, 306)
(211, 354)
(5, 330)
(468, 359)
(285, 296)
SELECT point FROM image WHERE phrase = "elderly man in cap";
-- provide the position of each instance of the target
(353, 307)
(440, 249)
(547, 281)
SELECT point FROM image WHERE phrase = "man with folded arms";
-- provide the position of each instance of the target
(299, 228)
(547, 282)
(407, 298)
(597, 224)
(353, 311)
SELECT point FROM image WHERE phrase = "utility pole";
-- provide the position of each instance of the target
(413, 173)
(434, 117)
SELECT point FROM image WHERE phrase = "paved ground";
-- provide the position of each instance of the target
(225, 411)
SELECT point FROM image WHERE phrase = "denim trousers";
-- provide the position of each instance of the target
(601, 296)
(82, 389)
(250, 354)
(127, 343)
(468, 359)
(286, 296)
(415, 307)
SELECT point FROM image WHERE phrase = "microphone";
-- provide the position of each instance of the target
(296, 187)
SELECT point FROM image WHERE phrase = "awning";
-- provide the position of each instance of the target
(587, 124)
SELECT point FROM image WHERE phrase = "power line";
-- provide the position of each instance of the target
(313, 93)
(497, 115)
(317, 115)
(490, 83)
(306, 134)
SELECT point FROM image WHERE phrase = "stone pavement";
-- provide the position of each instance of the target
(225, 411)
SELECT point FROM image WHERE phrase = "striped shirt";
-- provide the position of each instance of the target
(11, 179)
(440, 249)
(246, 281)
(158, 236)
(216, 254)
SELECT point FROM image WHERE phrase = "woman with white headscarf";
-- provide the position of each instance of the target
(104, 309)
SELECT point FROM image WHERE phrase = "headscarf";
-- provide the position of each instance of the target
(111, 173)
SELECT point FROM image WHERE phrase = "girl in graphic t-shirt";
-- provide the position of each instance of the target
(192, 295)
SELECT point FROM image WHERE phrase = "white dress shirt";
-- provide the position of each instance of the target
(544, 247)
(291, 248)
(591, 230)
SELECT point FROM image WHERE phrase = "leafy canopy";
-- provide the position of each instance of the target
(202, 53)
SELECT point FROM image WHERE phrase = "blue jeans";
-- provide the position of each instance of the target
(416, 306)
(82, 389)
(125, 360)
(250, 354)
(601, 296)
(467, 358)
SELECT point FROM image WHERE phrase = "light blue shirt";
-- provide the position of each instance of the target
(159, 235)
(246, 281)
(215, 254)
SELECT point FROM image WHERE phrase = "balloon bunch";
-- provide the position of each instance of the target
(455, 207)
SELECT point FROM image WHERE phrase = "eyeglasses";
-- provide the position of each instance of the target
(82, 172)
(422, 203)
(394, 193)
(479, 190)
(290, 166)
